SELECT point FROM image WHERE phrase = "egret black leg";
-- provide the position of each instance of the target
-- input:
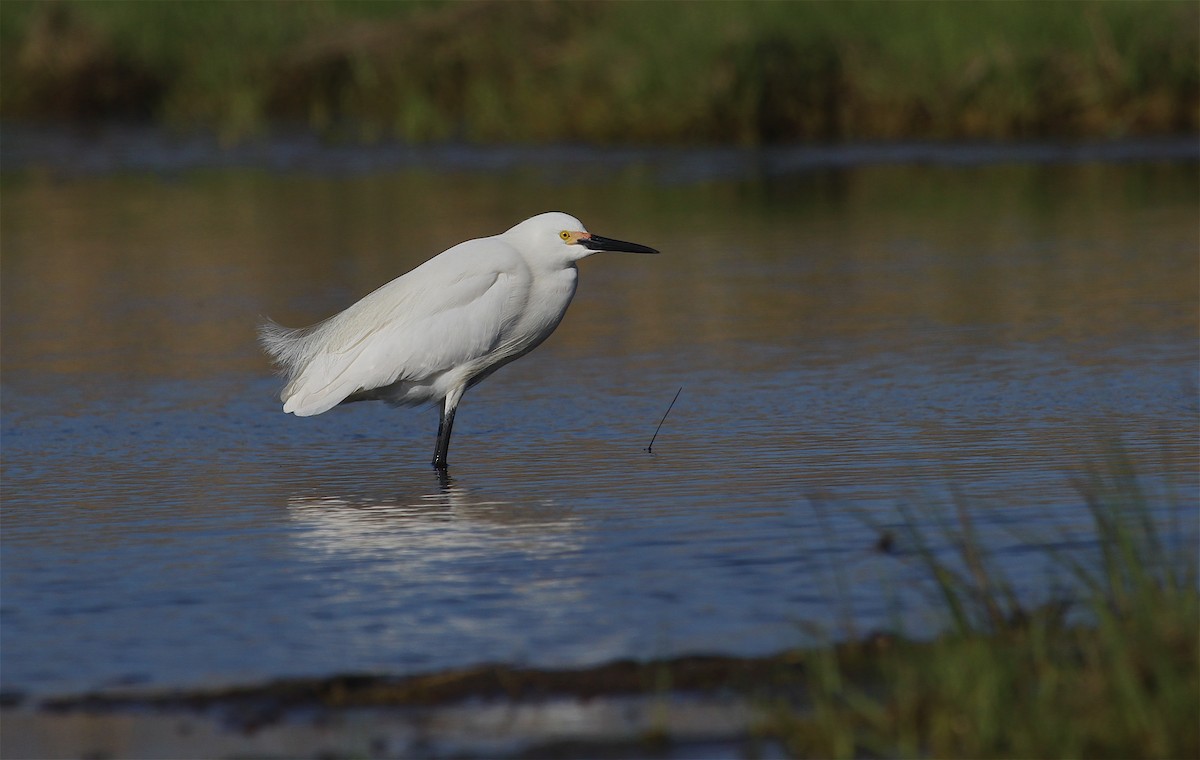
(445, 424)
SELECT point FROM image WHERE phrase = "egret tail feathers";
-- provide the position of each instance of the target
(283, 344)
(317, 379)
(293, 350)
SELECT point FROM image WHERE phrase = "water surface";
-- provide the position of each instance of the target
(849, 337)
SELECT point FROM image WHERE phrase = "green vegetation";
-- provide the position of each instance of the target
(1120, 681)
(610, 72)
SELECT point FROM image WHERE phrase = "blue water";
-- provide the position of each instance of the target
(849, 341)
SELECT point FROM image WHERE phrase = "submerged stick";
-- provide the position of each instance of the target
(650, 448)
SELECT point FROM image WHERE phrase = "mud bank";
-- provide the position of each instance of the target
(687, 707)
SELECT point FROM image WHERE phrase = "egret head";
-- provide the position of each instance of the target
(562, 235)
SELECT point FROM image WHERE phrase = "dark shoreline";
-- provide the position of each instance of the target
(782, 673)
(115, 147)
(697, 704)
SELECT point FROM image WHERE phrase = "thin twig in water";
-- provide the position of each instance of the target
(650, 448)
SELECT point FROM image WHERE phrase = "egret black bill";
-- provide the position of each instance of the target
(599, 243)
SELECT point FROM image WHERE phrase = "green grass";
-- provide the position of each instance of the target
(1113, 671)
(610, 72)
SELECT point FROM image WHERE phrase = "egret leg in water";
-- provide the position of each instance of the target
(429, 335)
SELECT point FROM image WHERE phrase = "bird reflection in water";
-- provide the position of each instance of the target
(442, 519)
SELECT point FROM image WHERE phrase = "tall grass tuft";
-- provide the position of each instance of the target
(1112, 671)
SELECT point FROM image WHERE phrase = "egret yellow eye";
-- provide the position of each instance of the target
(565, 235)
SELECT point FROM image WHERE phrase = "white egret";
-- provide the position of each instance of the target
(429, 335)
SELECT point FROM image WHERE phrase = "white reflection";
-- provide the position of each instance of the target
(447, 516)
(447, 537)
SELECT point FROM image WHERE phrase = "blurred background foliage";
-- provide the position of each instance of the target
(609, 72)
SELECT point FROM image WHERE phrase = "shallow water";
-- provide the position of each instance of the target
(849, 337)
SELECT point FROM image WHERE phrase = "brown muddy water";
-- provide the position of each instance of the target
(854, 330)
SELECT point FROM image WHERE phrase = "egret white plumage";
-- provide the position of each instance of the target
(429, 335)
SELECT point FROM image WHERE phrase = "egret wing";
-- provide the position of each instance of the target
(448, 312)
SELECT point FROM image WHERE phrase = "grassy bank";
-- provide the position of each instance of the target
(610, 72)
(1110, 670)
